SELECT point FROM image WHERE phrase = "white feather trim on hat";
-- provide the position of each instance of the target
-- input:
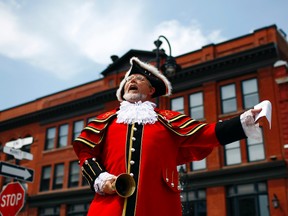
(152, 69)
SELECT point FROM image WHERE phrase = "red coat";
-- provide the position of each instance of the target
(155, 150)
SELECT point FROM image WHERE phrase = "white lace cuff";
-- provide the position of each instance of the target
(251, 129)
(100, 181)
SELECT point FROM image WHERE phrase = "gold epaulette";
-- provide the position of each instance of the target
(105, 116)
(93, 133)
(179, 123)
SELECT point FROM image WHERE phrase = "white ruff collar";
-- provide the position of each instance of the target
(138, 112)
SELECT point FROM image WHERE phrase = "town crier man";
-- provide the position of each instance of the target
(147, 144)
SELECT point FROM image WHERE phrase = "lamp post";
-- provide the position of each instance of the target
(184, 194)
(275, 201)
(170, 66)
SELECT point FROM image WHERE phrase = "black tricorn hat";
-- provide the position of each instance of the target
(161, 84)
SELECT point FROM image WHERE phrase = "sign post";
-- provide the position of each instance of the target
(19, 143)
(13, 148)
(15, 171)
(17, 153)
(12, 199)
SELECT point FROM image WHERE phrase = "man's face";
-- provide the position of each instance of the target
(137, 88)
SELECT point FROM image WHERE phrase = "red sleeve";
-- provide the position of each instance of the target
(88, 143)
(85, 152)
(199, 145)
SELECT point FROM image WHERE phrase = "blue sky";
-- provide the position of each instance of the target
(50, 46)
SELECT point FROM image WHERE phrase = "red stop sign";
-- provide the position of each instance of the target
(12, 199)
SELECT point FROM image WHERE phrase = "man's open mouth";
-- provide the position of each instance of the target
(132, 88)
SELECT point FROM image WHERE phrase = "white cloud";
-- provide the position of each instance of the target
(65, 37)
(61, 37)
(15, 43)
(98, 34)
(186, 38)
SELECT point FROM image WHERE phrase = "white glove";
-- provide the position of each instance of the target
(101, 180)
(251, 129)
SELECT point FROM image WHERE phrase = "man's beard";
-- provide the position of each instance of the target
(132, 97)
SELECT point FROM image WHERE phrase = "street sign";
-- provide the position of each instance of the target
(19, 143)
(18, 172)
(12, 199)
(17, 153)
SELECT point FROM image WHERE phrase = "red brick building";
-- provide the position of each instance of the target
(216, 82)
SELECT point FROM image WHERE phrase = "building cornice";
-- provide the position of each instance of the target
(226, 67)
(237, 175)
(228, 176)
(59, 197)
(67, 110)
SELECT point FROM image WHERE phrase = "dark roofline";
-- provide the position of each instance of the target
(126, 58)
(81, 106)
(226, 67)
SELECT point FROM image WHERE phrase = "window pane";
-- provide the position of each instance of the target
(249, 86)
(177, 104)
(78, 126)
(233, 157)
(63, 136)
(228, 98)
(45, 178)
(77, 209)
(74, 174)
(228, 91)
(264, 205)
(58, 176)
(198, 165)
(256, 152)
(231, 191)
(201, 194)
(183, 197)
(50, 138)
(229, 105)
(196, 99)
(250, 100)
(262, 187)
(200, 208)
(196, 203)
(49, 211)
(247, 199)
(247, 206)
(191, 195)
(197, 112)
(250, 93)
(196, 106)
(256, 149)
(251, 141)
(84, 181)
(233, 153)
(233, 145)
(245, 189)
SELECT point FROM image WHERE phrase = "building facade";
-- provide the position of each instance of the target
(214, 83)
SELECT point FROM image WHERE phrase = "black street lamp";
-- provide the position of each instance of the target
(184, 193)
(275, 201)
(170, 66)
